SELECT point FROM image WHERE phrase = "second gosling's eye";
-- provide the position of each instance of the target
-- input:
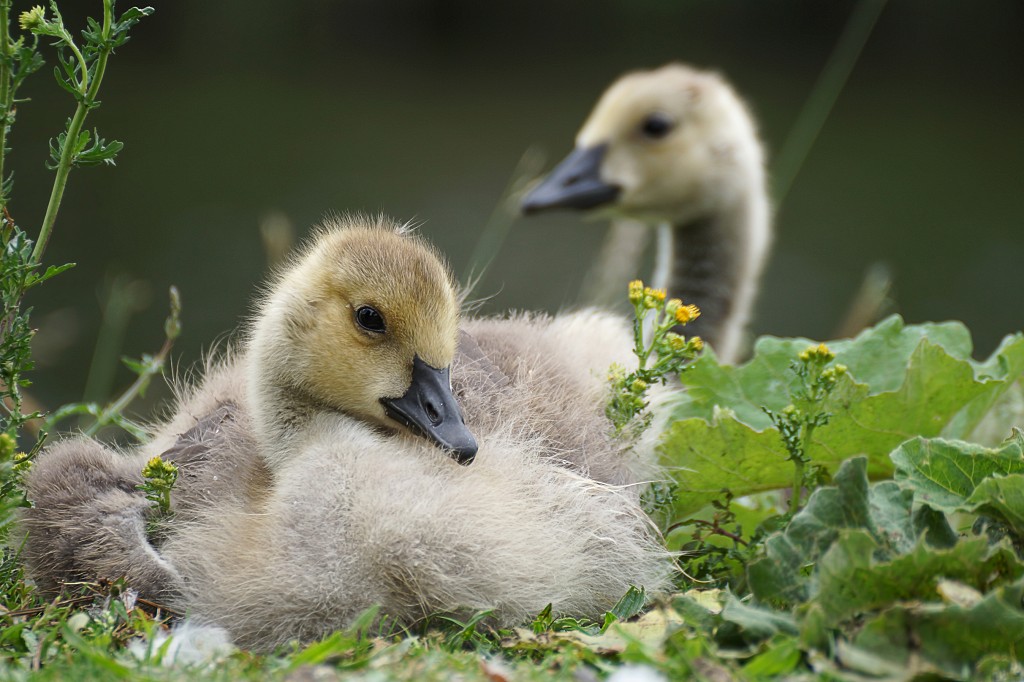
(370, 319)
(656, 126)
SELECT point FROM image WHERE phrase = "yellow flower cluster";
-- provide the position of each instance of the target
(158, 468)
(819, 352)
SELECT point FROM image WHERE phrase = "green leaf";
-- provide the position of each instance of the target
(781, 657)
(952, 637)
(1002, 498)
(628, 606)
(753, 623)
(849, 581)
(945, 473)
(903, 381)
(882, 512)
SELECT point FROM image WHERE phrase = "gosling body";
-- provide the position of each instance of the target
(300, 504)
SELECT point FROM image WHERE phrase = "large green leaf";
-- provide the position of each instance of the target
(945, 473)
(903, 381)
(954, 476)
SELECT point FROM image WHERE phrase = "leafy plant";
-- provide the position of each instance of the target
(901, 381)
(80, 72)
(665, 354)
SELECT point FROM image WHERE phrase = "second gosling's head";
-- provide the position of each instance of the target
(364, 322)
(663, 145)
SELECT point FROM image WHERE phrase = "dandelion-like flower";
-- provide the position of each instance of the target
(696, 343)
(33, 18)
(687, 313)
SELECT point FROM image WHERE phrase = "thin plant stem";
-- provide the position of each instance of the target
(5, 87)
(88, 91)
(132, 392)
(497, 227)
(827, 88)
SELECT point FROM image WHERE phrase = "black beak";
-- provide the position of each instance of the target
(574, 183)
(429, 407)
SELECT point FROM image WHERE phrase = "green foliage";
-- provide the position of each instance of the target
(867, 580)
(901, 382)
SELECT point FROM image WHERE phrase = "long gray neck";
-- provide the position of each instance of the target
(715, 262)
(697, 263)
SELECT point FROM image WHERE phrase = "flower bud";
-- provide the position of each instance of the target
(33, 18)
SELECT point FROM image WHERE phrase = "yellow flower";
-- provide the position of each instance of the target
(657, 294)
(636, 291)
(697, 343)
(158, 468)
(7, 446)
(687, 313)
(819, 352)
(32, 18)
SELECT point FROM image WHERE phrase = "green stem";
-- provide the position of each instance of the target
(798, 485)
(818, 106)
(70, 141)
(5, 86)
(139, 385)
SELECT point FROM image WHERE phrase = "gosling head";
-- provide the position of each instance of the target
(364, 322)
(666, 145)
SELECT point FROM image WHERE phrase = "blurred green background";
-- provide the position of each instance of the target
(234, 110)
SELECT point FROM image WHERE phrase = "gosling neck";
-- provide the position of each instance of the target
(715, 261)
(282, 413)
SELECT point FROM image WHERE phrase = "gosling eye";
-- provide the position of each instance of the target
(370, 319)
(656, 126)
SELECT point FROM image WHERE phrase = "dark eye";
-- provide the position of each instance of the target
(370, 319)
(656, 126)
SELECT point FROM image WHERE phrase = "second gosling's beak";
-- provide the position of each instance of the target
(429, 407)
(574, 183)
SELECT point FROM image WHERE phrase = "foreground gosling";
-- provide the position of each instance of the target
(676, 148)
(308, 491)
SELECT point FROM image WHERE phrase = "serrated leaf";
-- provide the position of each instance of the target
(723, 439)
(877, 358)
(945, 473)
